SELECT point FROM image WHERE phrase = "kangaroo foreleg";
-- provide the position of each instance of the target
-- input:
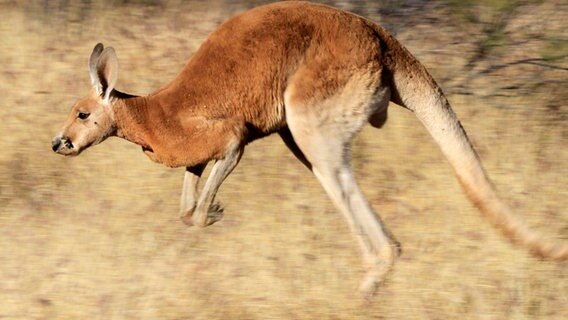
(189, 191)
(205, 213)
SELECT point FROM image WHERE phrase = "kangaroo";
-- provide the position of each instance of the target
(314, 75)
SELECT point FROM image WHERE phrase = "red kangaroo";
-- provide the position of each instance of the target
(314, 75)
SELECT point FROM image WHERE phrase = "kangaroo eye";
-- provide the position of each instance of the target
(83, 115)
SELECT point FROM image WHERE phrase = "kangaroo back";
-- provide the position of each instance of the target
(413, 88)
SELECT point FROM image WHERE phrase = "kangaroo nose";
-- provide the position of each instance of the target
(55, 144)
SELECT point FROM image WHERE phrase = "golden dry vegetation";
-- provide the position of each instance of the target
(98, 236)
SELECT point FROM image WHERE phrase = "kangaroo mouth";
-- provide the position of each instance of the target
(63, 146)
(68, 144)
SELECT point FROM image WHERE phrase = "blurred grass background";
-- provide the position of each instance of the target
(98, 236)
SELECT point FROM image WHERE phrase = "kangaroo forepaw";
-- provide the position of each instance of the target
(203, 219)
(214, 214)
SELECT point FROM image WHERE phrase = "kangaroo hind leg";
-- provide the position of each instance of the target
(288, 139)
(326, 145)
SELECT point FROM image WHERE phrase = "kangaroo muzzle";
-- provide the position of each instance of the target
(59, 143)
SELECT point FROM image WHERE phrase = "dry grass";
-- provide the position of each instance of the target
(98, 237)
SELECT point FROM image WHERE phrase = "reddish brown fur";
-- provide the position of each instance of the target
(244, 79)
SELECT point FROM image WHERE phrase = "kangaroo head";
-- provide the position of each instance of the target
(91, 120)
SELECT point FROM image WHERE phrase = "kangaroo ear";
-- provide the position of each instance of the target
(107, 71)
(97, 50)
(103, 68)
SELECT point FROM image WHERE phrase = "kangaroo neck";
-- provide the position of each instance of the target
(131, 116)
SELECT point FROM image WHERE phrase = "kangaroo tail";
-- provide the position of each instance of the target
(413, 88)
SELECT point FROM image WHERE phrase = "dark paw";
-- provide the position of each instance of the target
(214, 214)
(203, 219)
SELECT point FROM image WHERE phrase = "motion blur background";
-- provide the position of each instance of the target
(98, 236)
